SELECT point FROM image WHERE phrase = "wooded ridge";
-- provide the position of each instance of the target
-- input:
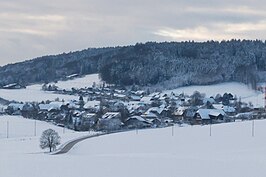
(170, 64)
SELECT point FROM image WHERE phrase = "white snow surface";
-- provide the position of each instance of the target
(19, 127)
(35, 93)
(240, 90)
(231, 151)
(32, 93)
(86, 81)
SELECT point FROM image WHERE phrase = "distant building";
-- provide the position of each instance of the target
(207, 116)
(14, 86)
(137, 122)
(110, 121)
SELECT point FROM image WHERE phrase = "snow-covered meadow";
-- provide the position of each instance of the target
(17, 126)
(86, 81)
(187, 151)
(16, 131)
(239, 89)
(35, 93)
(32, 93)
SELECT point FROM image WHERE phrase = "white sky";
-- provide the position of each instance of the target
(32, 28)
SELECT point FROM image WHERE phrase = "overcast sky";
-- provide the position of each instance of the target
(31, 28)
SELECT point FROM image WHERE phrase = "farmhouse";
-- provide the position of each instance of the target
(207, 116)
(137, 122)
(110, 121)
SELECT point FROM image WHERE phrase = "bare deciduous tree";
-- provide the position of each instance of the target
(49, 139)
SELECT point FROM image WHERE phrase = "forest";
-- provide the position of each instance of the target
(168, 64)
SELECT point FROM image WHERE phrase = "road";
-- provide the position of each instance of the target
(69, 145)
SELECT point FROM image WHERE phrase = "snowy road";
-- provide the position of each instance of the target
(67, 146)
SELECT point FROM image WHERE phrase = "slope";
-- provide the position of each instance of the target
(231, 151)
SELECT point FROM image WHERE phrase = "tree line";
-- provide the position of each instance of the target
(168, 64)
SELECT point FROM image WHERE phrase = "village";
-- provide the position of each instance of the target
(107, 108)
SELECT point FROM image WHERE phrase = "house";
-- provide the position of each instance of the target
(153, 113)
(179, 113)
(158, 111)
(51, 107)
(110, 121)
(229, 110)
(87, 121)
(137, 122)
(92, 106)
(2, 109)
(210, 100)
(190, 113)
(156, 123)
(244, 116)
(149, 116)
(70, 105)
(120, 96)
(136, 107)
(13, 86)
(72, 76)
(155, 94)
(153, 116)
(120, 91)
(29, 110)
(14, 108)
(139, 92)
(167, 121)
(44, 107)
(207, 116)
(146, 99)
(118, 106)
(135, 98)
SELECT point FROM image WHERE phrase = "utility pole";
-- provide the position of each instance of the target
(7, 129)
(35, 128)
(265, 98)
(253, 128)
(173, 129)
(210, 129)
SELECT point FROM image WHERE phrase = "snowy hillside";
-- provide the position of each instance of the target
(86, 81)
(22, 139)
(231, 151)
(34, 92)
(20, 127)
(241, 90)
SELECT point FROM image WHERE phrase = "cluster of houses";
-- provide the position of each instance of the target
(106, 109)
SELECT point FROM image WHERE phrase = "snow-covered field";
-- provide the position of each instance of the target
(86, 81)
(34, 92)
(241, 90)
(231, 151)
(17, 127)
(18, 130)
